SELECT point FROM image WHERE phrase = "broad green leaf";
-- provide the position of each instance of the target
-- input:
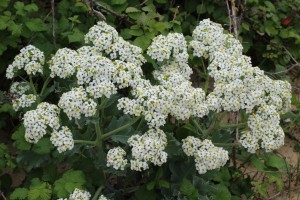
(15, 29)
(151, 185)
(257, 163)
(221, 192)
(4, 22)
(7, 108)
(142, 41)
(4, 4)
(19, 5)
(269, 28)
(276, 161)
(43, 146)
(188, 189)
(20, 141)
(118, 2)
(39, 190)
(36, 25)
(132, 10)
(164, 184)
(270, 5)
(31, 7)
(19, 194)
(68, 182)
(136, 32)
(76, 36)
(143, 194)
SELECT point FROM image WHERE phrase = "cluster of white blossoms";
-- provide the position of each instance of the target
(207, 156)
(31, 59)
(105, 38)
(146, 148)
(17, 89)
(37, 121)
(75, 103)
(238, 85)
(174, 95)
(25, 101)
(79, 194)
(63, 63)
(265, 130)
(115, 158)
(62, 139)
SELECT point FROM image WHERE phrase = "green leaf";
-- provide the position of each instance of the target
(20, 141)
(43, 146)
(188, 189)
(69, 181)
(143, 194)
(151, 185)
(261, 188)
(221, 192)
(19, 5)
(132, 10)
(246, 26)
(4, 22)
(142, 41)
(76, 36)
(39, 190)
(15, 29)
(276, 161)
(257, 163)
(7, 108)
(19, 193)
(36, 25)
(269, 28)
(118, 2)
(4, 4)
(136, 32)
(270, 6)
(173, 147)
(31, 7)
(164, 184)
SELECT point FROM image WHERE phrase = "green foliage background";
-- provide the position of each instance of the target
(268, 30)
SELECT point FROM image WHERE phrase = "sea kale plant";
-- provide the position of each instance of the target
(82, 89)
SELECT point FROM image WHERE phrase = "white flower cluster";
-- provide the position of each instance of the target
(62, 139)
(115, 158)
(17, 89)
(175, 95)
(148, 147)
(31, 59)
(36, 121)
(63, 63)
(238, 85)
(105, 37)
(75, 102)
(26, 100)
(207, 156)
(80, 195)
(265, 130)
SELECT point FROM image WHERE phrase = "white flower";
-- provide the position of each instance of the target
(63, 63)
(19, 88)
(207, 156)
(31, 59)
(75, 102)
(36, 121)
(115, 158)
(148, 147)
(23, 101)
(62, 139)
(80, 195)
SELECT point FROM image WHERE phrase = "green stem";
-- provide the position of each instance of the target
(96, 195)
(32, 85)
(44, 86)
(197, 125)
(85, 142)
(104, 136)
(215, 124)
(240, 125)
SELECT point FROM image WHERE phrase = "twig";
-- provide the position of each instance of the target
(292, 57)
(229, 16)
(235, 26)
(98, 14)
(124, 17)
(2, 195)
(53, 22)
(287, 70)
(175, 14)
(140, 5)
(274, 196)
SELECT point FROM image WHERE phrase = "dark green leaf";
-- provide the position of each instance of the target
(19, 194)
